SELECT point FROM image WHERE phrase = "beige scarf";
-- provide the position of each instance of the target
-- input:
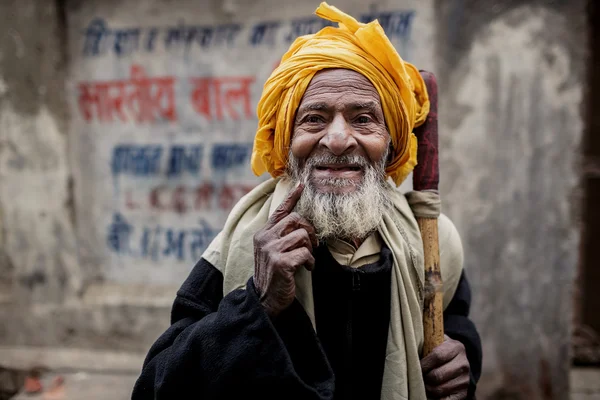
(232, 253)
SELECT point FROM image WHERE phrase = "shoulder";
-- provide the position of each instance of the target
(407, 204)
(449, 240)
(451, 256)
(421, 203)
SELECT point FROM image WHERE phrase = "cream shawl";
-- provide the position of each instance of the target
(232, 253)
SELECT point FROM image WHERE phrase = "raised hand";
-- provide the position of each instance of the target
(282, 246)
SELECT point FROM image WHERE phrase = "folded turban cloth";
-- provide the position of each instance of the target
(352, 45)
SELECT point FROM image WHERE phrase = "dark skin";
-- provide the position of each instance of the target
(284, 244)
(340, 114)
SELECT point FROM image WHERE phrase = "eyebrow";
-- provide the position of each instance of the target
(320, 106)
(369, 106)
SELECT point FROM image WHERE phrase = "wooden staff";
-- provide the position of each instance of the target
(426, 178)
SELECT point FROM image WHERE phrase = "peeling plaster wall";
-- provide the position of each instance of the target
(38, 260)
(44, 296)
(512, 92)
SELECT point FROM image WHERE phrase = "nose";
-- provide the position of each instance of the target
(338, 138)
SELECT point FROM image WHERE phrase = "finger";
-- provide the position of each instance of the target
(296, 239)
(293, 222)
(300, 257)
(288, 204)
(310, 229)
(455, 389)
(440, 355)
(447, 372)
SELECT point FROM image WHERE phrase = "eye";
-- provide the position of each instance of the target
(313, 119)
(363, 119)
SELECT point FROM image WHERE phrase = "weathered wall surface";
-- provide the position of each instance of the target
(125, 131)
(512, 90)
(38, 261)
(44, 298)
(151, 149)
(164, 119)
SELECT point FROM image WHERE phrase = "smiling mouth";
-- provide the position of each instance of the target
(338, 168)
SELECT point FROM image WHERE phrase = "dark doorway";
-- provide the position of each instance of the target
(587, 305)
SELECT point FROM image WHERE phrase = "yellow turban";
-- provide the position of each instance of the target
(363, 48)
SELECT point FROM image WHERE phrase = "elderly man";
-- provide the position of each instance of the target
(313, 289)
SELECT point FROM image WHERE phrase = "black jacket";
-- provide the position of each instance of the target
(223, 347)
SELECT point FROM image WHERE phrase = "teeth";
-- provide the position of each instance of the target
(351, 168)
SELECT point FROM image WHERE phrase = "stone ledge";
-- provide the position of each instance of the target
(71, 359)
(88, 386)
(585, 381)
(115, 294)
(585, 396)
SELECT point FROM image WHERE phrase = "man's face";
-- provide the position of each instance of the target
(339, 122)
(339, 149)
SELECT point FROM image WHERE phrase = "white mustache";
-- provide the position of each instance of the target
(348, 215)
(331, 159)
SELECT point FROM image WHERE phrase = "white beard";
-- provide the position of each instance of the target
(348, 216)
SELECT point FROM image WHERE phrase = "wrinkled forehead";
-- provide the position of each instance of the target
(340, 85)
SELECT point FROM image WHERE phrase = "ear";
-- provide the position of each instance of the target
(390, 155)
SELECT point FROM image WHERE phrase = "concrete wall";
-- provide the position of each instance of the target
(104, 206)
(161, 218)
(512, 100)
(38, 252)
